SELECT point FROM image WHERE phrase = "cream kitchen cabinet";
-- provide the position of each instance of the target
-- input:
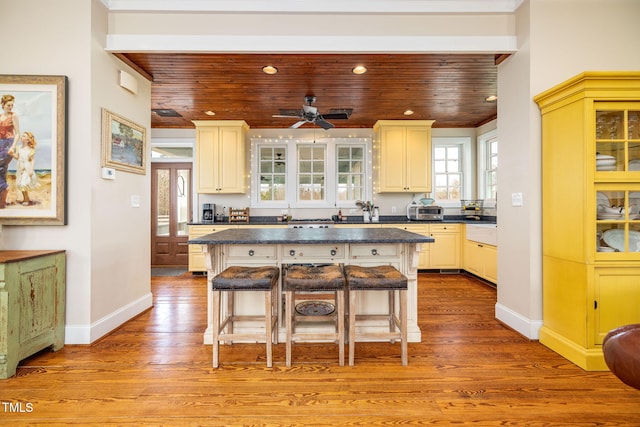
(196, 254)
(422, 229)
(404, 155)
(220, 156)
(444, 253)
(481, 259)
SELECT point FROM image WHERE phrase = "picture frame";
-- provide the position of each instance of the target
(124, 144)
(33, 182)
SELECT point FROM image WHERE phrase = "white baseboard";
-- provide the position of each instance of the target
(527, 327)
(86, 334)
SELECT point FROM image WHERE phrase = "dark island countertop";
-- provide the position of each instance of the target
(310, 236)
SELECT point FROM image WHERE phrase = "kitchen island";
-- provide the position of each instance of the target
(284, 246)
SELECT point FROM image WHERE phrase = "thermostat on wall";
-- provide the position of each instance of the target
(108, 173)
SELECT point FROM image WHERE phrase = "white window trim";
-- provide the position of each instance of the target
(292, 169)
(465, 143)
(483, 146)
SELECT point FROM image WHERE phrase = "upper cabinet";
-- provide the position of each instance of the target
(404, 155)
(590, 212)
(220, 156)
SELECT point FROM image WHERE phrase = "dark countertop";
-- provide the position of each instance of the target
(311, 236)
(390, 219)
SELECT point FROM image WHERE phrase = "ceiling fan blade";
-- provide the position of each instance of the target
(334, 116)
(298, 124)
(323, 124)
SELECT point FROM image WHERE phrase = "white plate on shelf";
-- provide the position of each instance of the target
(615, 239)
(606, 168)
(603, 199)
(604, 157)
(606, 162)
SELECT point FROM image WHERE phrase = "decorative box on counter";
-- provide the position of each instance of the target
(239, 215)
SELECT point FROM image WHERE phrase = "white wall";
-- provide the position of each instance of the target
(556, 40)
(106, 285)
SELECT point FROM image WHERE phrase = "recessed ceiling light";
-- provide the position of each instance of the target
(359, 69)
(408, 112)
(491, 98)
(269, 69)
(210, 113)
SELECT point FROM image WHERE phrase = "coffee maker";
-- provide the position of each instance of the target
(208, 213)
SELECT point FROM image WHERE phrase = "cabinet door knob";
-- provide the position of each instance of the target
(374, 252)
(292, 252)
(333, 252)
(251, 252)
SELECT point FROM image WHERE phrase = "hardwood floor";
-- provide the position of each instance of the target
(469, 370)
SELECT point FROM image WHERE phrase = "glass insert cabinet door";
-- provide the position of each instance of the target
(618, 219)
(617, 132)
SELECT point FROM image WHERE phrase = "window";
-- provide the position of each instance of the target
(447, 166)
(273, 173)
(488, 150)
(329, 173)
(311, 172)
(351, 172)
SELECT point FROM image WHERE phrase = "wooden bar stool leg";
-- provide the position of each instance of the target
(274, 307)
(403, 326)
(268, 325)
(289, 314)
(392, 312)
(230, 313)
(352, 326)
(216, 327)
(340, 301)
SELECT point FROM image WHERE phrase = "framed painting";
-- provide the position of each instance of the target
(33, 138)
(123, 144)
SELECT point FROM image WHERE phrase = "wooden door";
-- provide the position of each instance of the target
(171, 188)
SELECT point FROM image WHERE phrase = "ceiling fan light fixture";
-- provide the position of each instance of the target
(359, 69)
(269, 69)
(491, 98)
(408, 112)
(210, 113)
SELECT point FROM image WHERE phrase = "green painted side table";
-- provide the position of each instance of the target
(32, 305)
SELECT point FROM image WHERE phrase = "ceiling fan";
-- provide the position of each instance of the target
(310, 114)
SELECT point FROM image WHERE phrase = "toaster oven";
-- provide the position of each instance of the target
(425, 213)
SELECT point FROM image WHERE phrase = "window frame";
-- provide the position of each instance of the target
(464, 142)
(331, 171)
(484, 163)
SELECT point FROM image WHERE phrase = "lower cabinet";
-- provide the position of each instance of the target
(196, 254)
(444, 253)
(616, 299)
(32, 305)
(482, 260)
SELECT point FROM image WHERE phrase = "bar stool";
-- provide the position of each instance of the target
(379, 278)
(314, 279)
(237, 279)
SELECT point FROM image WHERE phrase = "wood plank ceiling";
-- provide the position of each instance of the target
(450, 89)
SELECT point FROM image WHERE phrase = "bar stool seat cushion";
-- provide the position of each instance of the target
(382, 277)
(621, 348)
(314, 278)
(237, 278)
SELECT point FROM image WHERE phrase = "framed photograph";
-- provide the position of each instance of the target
(33, 138)
(123, 144)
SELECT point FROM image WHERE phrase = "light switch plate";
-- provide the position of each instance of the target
(516, 199)
(135, 201)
